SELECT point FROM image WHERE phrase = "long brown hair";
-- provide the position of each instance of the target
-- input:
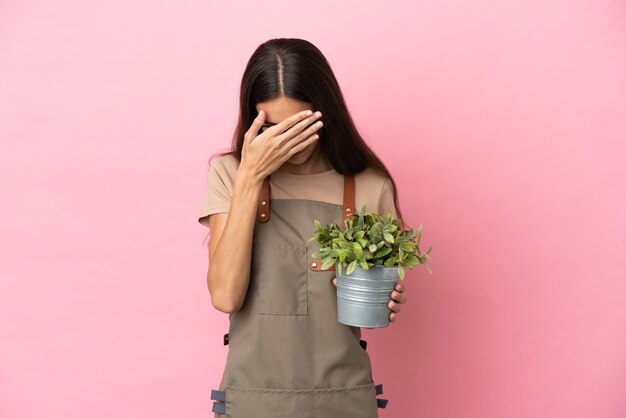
(297, 69)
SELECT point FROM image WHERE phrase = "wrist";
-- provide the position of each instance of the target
(248, 182)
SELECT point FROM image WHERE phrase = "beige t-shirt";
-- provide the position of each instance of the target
(371, 188)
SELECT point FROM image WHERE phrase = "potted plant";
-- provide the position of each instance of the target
(374, 252)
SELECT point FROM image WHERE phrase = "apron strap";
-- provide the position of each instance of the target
(348, 198)
(263, 212)
(347, 213)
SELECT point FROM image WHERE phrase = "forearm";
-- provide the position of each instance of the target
(229, 268)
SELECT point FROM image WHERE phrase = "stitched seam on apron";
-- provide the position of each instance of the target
(302, 391)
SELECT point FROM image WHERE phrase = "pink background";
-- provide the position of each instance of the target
(503, 123)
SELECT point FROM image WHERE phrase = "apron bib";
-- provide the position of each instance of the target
(288, 355)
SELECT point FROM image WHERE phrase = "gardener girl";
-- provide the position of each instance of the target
(288, 355)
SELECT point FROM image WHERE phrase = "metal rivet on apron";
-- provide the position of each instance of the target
(262, 215)
(263, 202)
(347, 209)
(314, 264)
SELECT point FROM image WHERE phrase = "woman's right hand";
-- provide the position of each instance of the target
(264, 153)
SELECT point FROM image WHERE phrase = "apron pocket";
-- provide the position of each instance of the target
(343, 402)
(280, 271)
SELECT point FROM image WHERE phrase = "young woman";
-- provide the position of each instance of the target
(288, 355)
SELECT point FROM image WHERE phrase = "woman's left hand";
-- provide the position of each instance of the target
(398, 297)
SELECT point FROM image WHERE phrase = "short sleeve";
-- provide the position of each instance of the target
(386, 202)
(219, 191)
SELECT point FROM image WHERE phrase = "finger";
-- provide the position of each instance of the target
(253, 131)
(335, 281)
(304, 127)
(394, 306)
(398, 297)
(285, 125)
(392, 317)
(301, 145)
(399, 287)
(300, 132)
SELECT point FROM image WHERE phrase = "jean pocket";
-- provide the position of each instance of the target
(281, 273)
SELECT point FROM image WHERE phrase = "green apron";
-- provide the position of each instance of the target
(288, 355)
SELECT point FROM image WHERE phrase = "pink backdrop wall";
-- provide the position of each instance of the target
(502, 122)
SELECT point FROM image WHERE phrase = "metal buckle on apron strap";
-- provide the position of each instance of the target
(379, 389)
(380, 403)
(219, 396)
(219, 407)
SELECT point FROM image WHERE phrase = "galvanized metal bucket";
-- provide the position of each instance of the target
(363, 296)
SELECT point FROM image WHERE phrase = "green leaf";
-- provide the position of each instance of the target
(351, 267)
(327, 263)
(383, 252)
(366, 240)
(390, 262)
